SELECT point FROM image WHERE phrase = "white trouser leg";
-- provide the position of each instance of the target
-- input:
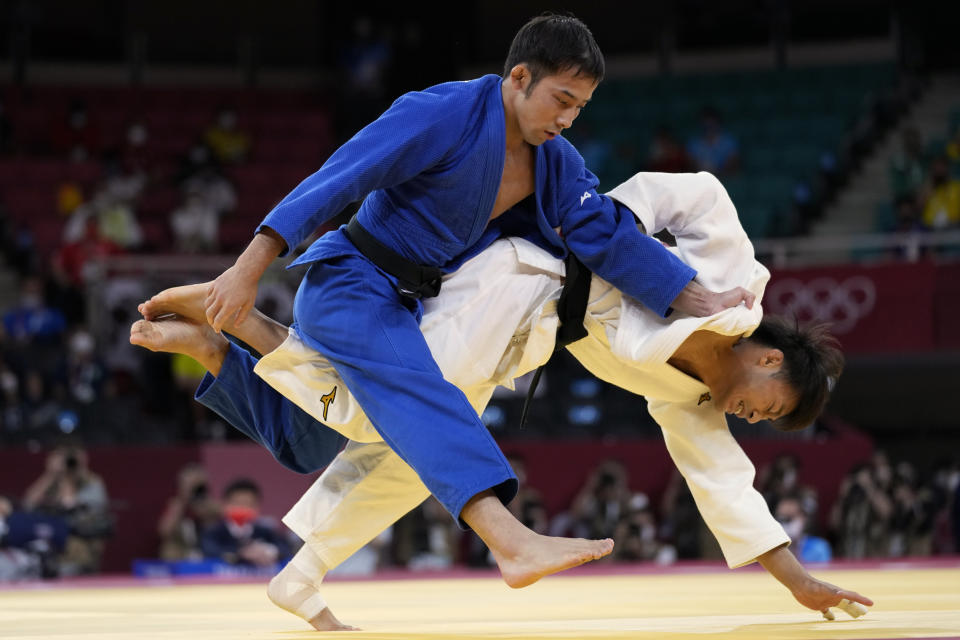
(365, 489)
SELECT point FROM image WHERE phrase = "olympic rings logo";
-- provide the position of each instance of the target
(842, 304)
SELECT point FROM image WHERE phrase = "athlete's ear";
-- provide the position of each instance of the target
(771, 357)
(520, 77)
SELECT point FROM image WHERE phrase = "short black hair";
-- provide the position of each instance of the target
(242, 484)
(812, 363)
(552, 43)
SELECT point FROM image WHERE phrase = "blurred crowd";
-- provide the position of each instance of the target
(60, 525)
(925, 183)
(56, 370)
(882, 509)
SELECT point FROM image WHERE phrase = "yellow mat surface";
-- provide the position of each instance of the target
(910, 603)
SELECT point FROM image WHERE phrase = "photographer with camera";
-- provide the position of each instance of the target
(68, 489)
(188, 514)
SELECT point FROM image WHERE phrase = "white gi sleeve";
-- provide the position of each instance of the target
(720, 477)
(696, 209)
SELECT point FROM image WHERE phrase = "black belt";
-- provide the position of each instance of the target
(413, 280)
(571, 310)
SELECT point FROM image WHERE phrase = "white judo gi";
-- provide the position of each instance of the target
(496, 319)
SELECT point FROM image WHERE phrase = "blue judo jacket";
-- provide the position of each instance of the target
(428, 171)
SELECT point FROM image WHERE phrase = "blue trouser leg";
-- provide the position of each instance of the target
(292, 436)
(348, 311)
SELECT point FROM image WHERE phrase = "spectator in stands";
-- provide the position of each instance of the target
(135, 153)
(229, 145)
(33, 320)
(78, 136)
(528, 505)
(115, 203)
(72, 262)
(41, 408)
(68, 489)
(860, 515)
(666, 153)
(908, 167)
(795, 520)
(241, 537)
(83, 370)
(214, 189)
(598, 505)
(636, 535)
(208, 196)
(195, 224)
(197, 158)
(187, 515)
(941, 196)
(436, 545)
(910, 527)
(30, 543)
(69, 198)
(681, 524)
(779, 479)
(907, 216)
(944, 488)
(12, 417)
(953, 151)
(714, 149)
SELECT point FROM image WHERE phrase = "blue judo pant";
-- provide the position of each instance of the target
(294, 438)
(348, 310)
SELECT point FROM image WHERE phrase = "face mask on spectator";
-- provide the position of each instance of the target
(793, 528)
(240, 515)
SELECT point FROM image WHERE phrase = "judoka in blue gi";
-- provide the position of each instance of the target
(442, 174)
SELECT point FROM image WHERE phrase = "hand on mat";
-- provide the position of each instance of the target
(820, 596)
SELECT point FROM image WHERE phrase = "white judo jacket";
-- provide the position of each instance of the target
(496, 320)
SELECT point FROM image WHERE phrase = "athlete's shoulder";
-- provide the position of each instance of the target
(449, 101)
(460, 88)
(458, 94)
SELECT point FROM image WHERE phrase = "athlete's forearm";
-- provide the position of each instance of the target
(266, 245)
(783, 565)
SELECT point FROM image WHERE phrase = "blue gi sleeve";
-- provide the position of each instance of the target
(604, 235)
(413, 135)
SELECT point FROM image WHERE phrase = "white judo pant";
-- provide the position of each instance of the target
(495, 320)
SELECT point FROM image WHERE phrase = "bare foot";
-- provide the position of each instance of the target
(188, 301)
(177, 335)
(541, 556)
(326, 621)
(294, 591)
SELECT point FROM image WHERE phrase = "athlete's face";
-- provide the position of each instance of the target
(551, 105)
(754, 391)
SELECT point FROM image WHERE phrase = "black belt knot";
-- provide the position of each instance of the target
(413, 280)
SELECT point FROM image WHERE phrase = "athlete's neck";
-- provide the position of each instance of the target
(706, 356)
(514, 136)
